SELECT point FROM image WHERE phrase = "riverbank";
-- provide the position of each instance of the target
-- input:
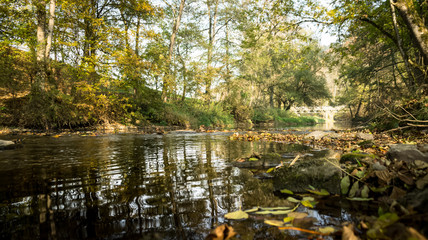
(388, 171)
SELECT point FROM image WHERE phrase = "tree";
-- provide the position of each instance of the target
(167, 81)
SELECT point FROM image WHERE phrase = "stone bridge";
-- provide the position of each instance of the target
(327, 112)
(312, 110)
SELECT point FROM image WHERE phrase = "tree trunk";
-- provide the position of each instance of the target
(50, 27)
(167, 78)
(41, 21)
(400, 47)
(211, 34)
(137, 36)
(41, 46)
(415, 23)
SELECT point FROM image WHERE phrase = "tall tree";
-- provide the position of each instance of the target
(167, 81)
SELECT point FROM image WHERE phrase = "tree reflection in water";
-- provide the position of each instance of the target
(175, 186)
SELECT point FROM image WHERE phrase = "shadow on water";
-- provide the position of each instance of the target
(175, 186)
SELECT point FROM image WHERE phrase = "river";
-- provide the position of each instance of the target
(130, 186)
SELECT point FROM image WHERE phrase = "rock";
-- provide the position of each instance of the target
(417, 200)
(334, 135)
(7, 145)
(422, 183)
(317, 135)
(364, 136)
(378, 167)
(318, 173)
(408, 152)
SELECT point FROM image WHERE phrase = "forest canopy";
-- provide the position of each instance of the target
(69, 63)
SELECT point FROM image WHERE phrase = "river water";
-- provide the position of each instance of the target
(129, 186)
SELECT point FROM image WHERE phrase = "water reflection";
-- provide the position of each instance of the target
(176, 186)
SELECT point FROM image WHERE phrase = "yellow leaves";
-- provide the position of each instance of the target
(326, 230)
(275, 223)
(236, 215)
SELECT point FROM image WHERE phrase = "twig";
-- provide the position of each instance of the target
(343, 170)
(415, 125)
(295, 160)
(396, 129)
(409, 113)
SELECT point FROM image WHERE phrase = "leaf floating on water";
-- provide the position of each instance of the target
(344, 185)
(286, 191)
(253, 159)
(379, 189)
(252, 210)
(309, 204)
(222, 232)
(323, 192)
(293, 200)
(360, 199)
(327, 230)
(275, 223)
(288, 219)
(297, 215)
(348, 233)
(263, 212)
(284, 212)
(236, 215)
(275, 208)
(354, 189)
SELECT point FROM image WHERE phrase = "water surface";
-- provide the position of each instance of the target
(173, 186)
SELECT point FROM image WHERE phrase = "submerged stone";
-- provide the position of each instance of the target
(319, 173)
(7, 145)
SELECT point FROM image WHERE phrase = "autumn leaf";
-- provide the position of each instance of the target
(297, 215)
(275, 223)
(236, 215)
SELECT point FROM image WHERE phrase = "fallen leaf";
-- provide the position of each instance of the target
(311, 199)
(307, 203)
(252, 210)
(384, 175)
(323, 192)
(397, 193)
(344, 185)
(236, 215)
(288, 219)
(270, 170)
(297, 215)
(275, 208)
(293, 200)
(253, 159)
(275, 223)
(222, 232)
(305, 222)
(355, 187)
(360, 199)
(286, 191)
(365, 192)
(348, 233)
(327, 230)
(415, 234)
(407, 179)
